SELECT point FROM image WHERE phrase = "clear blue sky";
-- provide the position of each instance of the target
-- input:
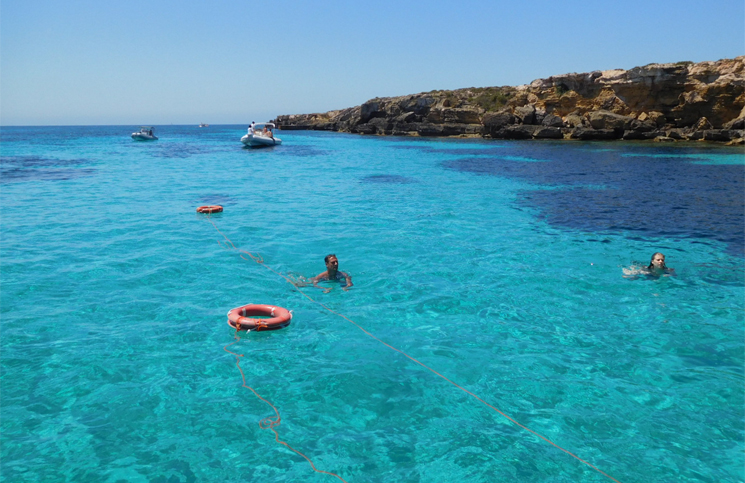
(224, 62)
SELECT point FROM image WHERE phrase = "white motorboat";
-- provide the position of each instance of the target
(260, 135)
(145, 134)
(201, 124)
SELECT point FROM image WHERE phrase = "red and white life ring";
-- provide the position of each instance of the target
(240, 317)
(209, 209)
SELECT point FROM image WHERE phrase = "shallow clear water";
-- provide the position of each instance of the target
(497, 264)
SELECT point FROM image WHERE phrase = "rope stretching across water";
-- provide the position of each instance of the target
(258, 259)
(268, 422)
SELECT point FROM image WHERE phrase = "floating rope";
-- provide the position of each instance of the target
(269, 422)
(258, 259)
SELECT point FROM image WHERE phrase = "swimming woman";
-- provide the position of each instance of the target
(657, 265)
(655, 269)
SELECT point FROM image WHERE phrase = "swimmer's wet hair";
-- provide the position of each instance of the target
(326, 260)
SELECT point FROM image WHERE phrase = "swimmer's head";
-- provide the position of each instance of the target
(658, 261)
(331, 261)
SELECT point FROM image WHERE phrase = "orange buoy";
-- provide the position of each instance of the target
(239, 317)
(209, 209)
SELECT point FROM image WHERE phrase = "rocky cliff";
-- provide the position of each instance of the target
(665, 102)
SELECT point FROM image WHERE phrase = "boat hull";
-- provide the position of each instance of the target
(254, 141)
(143, 137)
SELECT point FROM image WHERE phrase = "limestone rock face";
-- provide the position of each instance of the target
(548, 132)
(499, 119)
(608, 120)
(552, 120)
(699, 101)
(526, 114)
(574, 120)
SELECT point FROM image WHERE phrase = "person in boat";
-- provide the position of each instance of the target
(251, 128)
(332, 273)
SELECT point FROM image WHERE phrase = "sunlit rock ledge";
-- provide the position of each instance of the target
(662, 102)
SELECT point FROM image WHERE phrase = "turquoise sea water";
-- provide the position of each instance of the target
(496, 263)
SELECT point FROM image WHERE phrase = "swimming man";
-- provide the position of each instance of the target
(332, 273)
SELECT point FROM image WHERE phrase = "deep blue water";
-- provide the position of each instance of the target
(496, 263)
(641, 188)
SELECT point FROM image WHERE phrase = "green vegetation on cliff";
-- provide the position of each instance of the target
(491, 98)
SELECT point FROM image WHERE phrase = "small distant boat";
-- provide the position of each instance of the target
(201, 124)
(145, 134)
(260, 135)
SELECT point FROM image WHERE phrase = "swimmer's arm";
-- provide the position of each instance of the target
(318, 278)
(349, 280)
